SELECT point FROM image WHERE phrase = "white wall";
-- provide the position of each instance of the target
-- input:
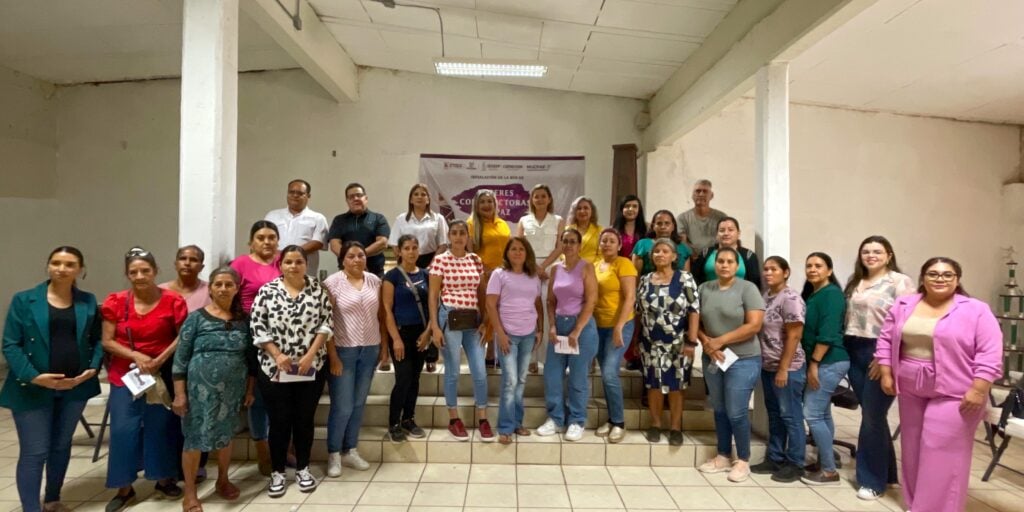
(932, 186)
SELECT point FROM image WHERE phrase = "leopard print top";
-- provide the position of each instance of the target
(290, 323)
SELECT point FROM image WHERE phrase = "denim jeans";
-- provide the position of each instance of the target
(876, 456)
(259, 423)
(609, 357)
(513, 381)
(454, 343)
(787, 439)
(44, 439)
(141, 433)
(729, 394)
(579, 367)
(818, 411)
(348, 396)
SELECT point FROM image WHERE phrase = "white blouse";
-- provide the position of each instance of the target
(431, 231)
(541, 235)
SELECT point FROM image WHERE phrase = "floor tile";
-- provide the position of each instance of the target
(845, 498)
(445, 472)
(491, 496)
(341, 493)
(542, 496)
(587, 475)
(633, 475)
(690, 498)
(440, 494)
(679, 476)
(594, 496)
(799, 499)
(492, 474)
(399, 472)
(645, 496)
(539, 474)
(749, 498)
(388, 493)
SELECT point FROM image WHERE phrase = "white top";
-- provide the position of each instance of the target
(431, 231)
(299, 229)
(541, 235)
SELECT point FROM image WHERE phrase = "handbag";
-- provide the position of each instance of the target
(844, 397)
(1013, 406)
(463, 319)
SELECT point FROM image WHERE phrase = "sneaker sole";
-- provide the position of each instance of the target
(818, 484)
(310, 489)
(714, 470)
(614, 440)
(785, 480)
(459, 438)
(487, 439)
(331, 475)
(276, 494)
(738, 480)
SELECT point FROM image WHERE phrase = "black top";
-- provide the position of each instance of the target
(64, 357)
(365, 229)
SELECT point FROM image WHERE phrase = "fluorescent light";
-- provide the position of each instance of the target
(490, 67)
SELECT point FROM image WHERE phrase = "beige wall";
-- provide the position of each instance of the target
(932, 186)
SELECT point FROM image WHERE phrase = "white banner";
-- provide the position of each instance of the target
(454, 180)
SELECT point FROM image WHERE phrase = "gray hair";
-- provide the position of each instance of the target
(703, 182)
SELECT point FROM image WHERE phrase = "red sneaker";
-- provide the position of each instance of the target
(458, 430)
(486, 434)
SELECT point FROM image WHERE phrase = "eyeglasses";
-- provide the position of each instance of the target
(296, 193)
(356, 196)
(136, 252)
(940, 276)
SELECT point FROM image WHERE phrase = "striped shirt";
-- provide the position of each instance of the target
(460, 279)
(355, 311)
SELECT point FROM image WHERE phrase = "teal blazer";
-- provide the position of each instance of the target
(27, 348)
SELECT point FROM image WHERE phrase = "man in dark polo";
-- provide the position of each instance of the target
(360, 224)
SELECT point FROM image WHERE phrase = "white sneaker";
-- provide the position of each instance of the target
(278, 485)
(354, 461)
(305, 479)
(616, 435)
(575, 432)
(334, 465)
(548, 428)
(867, 494)
(603, 430)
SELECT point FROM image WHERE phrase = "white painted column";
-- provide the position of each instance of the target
(209, 128)
(772, 155)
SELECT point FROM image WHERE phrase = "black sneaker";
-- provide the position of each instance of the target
(412, 429)
(653, 434)
(766, 467)
(278, 485)
(306, 481)
(675, 437)
(119, 502)
(788, 473)
(169, 490)
(820, 478)
(396, 434)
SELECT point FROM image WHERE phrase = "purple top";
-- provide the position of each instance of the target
(785, 308)
(517, 300)
(568, 288)
(254, 276)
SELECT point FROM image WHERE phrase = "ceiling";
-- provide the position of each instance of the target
(948, 58)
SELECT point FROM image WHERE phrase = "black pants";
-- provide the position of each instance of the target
(407, 375)
(290, 408)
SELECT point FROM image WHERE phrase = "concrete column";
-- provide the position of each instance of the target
(209, 128)
(772, 156)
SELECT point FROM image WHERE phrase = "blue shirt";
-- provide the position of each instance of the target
(404, 308)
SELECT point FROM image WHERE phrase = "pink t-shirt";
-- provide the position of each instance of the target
(355, 311)
(517, 297)
(254, 275)
(460, 278)
(199, 298)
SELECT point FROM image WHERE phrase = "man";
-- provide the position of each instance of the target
(299, 225)
(360, 224)
(699, 225)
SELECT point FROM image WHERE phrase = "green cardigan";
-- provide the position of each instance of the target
(826, 309)
(26, 346)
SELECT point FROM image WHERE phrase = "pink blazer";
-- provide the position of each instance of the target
(968, 343)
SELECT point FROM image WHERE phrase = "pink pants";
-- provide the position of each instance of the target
(936, 441)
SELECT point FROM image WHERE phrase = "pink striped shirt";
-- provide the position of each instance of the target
(355, 311)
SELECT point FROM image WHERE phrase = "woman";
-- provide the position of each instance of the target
(291, 321)
(140, 330)
(731, 313)
(783, 375)
(939, 350)
(456, 278)
(513, 305)
(188, 263)
(404, 297)
(210, 376)
(541, 228)
(748, 266)
(663, 225)
(355, 294)
(583, 218)
(572, 294)
(613, 315)
(489, 234)
(827, 361)
(53, 351)
(630, 223)
(256, 269)
(875, 285)
(670, 312)
(429, 228)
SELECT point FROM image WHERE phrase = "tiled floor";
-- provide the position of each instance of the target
(440, 487)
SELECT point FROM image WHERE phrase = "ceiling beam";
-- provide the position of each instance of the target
(755, 33)
(313, 47)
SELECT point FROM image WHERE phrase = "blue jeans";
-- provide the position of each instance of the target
(259, 423)
(818, 411)
(787, 439)
(609, 357)
(348, 396)
(513, 381)
(579, 367)
(729, 393)
(44, 439)
(876, 457)
(139, 432)
(454, 343)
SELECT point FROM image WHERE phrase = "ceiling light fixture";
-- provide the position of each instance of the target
(489, 67)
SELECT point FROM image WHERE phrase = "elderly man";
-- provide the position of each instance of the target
(299, 225)
(699, 225)
(362, 225)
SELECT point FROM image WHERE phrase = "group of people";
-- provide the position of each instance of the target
(264, 334)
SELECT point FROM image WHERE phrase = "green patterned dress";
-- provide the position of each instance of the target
(211, 357)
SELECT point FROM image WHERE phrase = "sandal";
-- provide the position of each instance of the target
(228, 491)
(533, 368)
(192, 507)
(505, 438)
(522, 431)
(431, 367)
(119, 502)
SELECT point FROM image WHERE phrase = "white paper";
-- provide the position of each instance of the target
(563, 347)
(137, 382)
(730, 358)
(294, 376)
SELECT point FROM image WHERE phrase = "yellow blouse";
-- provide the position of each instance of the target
(589, 247)
(495, 235)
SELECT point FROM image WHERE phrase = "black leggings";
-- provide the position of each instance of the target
(407, 375)
(290, 408)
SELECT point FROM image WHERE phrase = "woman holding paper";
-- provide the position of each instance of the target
(140, 330)
(731, 313)
(52, 345)
(572, 294)
(291, 321)
(669, 314)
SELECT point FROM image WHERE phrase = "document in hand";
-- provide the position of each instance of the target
(137, 382)
(730, 358)
(293, 375)
(562, 346)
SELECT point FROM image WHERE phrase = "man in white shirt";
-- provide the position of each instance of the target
(699, 226)
(299, 225)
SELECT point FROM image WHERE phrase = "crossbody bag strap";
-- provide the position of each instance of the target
(415, 294)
